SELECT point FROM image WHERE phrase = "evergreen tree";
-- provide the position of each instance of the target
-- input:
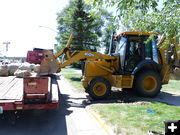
(76, 19)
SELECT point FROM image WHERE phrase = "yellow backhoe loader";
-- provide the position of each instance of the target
(136, 60)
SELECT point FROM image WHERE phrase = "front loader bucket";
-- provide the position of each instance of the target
(49, 64)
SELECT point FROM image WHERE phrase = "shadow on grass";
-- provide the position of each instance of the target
(75, 79)
(131, 97)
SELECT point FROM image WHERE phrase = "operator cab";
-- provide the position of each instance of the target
(133, 48)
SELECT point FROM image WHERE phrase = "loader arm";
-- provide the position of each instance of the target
(80, 55)
(88, 55)
(66, 48)
(50, 63)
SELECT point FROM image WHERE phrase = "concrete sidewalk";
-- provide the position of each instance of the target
(79, 122)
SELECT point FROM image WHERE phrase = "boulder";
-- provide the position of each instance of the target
(12, 68)
(22, 73)
(26, 66)
(36, 68)
(4, 70)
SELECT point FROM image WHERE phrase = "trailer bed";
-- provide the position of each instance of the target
(12, 95)
(11, 88)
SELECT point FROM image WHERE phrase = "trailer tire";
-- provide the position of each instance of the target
(99, 88)
(148, 83)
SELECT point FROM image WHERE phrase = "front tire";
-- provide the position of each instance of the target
(99, 88)
(148, 83)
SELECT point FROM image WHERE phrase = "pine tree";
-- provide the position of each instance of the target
(77, 20)
(88, 26)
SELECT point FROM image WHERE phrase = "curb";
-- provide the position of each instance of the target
(100, 121)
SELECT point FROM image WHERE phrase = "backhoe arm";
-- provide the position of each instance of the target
(170, 57)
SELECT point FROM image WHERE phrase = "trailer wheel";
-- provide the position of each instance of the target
(148, 83)
(99, 88)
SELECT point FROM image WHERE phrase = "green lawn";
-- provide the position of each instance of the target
(132, 118)
(137, 118)
(73, 77)
(172, 87)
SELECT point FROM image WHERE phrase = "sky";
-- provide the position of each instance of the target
(20, 22)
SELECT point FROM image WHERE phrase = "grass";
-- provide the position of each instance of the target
(172, 87)
(132, 118)
(74, 77)
(135, 118)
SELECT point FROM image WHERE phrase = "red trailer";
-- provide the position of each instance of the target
(28, 93)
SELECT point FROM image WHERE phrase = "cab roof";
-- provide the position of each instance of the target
(144, 33)
(137, 33)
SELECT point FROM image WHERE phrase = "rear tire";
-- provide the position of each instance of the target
(148, 83)
(99, 88)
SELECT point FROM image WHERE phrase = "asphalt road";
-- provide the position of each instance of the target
(38, 122)
(70, 118)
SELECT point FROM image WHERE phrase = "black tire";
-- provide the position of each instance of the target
(127, 89)
(86, 89)
(99, 83)
(148, 83)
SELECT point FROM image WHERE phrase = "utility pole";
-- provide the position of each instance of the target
(6, 43)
